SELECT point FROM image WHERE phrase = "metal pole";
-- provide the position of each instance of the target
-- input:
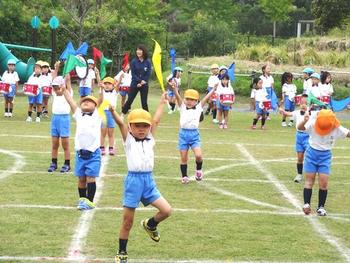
(53, 47)
(35, 41)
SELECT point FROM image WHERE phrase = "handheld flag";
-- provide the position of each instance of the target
(157, 64)
(172, 54)
(125, 60)
(231, 71)
(96, 54)
(69, 50)
(104, 62)
(71, 63)
(311, 99)
(339, 105)
(101, 110)
(82, 50)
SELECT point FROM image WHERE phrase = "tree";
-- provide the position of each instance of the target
(276, 10)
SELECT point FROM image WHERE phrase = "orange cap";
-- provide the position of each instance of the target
(326, 121)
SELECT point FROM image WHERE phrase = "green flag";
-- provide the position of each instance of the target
(311, 99)
(71, 62)
(104, 62)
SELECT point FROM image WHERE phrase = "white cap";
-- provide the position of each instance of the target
(58, 81)
(90, 61)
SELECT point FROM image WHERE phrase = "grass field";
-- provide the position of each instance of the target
(246, 209)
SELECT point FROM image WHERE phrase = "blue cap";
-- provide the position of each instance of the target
(90, 61)
(315, 75)
(308, 70)
(11, 61)
(178, 69)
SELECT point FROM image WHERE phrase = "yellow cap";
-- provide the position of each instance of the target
(191, 94)
(92, 98)
(140, 116)
(45, 64)
(213, 66)
(108, 80)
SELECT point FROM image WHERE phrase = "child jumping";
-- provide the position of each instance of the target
(323, 131)
(139, 184)
(191, 113)
(289, 91)
(225, 100)
(10, 76)
(260, 96)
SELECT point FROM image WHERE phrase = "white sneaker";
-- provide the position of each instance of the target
(37, 119)
(321, 211)
(290, 124)
(284, 124)
(307, 209)
(298, 178)
(9, 114)
(29, 119)
(170, 112)
(215, 121)
(6, 114)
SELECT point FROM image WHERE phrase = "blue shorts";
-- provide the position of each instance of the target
(288, 105)
(223, 107)
(301, 142)
(60, 125)
(189, 138)
(170, 93)
(12, 93)
(123, 93)
(38, 99)
(259, 110)
(84, 91)
(209, 89)
(109, 119)
(139, 187)
(90, 167)
(316, 161)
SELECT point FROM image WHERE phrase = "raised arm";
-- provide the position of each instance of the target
(122, 126)
(301, 125)
(287, 113)
(178, 97)
(206, 98)
(54, 73)
(68, 97)
(100, 95)
(158, 113)
(68, 83)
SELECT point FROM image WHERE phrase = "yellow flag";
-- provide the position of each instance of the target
(101, 111)
(157, 63)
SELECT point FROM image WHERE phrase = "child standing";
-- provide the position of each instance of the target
(35, 79)
(87, 84)
(260, 96)
(307, 84)
(326, 88)
(10, 76)
(212, 82)
(87, 146)
(224, 89)
(110, 95)
(139, 184)
(268, 83)
(60, 122)
(173, 81)
(323, 131)
(191, 113)
(46, 81)
(123, 81)
(289, 91)
(315, 87)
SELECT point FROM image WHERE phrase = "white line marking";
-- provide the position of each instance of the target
(317, 226)
(19, 162)
(82, 229)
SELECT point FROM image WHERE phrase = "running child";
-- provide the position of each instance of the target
(110, 95)
(10, 76)
(260, 97)
(323, 130)
(139, 184)
(268, 83)
(225, 100)
(289, 91)
(191, 113)
(87, 146)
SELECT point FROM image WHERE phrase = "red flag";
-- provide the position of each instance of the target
(125, 60)
(96, 53)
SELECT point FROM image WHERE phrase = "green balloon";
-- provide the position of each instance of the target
(54, 22)
(35, 22)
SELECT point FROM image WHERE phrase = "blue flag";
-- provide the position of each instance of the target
(172, 54)
(231, 71)
(339, 105)
(69, 50)
(82, 50)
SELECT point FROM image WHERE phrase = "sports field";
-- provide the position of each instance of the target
(247, 208)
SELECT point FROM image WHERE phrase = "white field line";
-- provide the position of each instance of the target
(19, 162)
(316, 224)
(82, 229)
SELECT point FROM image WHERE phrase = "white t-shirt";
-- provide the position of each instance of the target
(139, 154)
(111, 97)
(261, 95)
(289, 90)
(315, 90)
(46, 80)
(126, 79)
(326, 89)
(87, 82)
(88, 131)
(267, 81)
(35, 80)
(224, 90)
(307, 85)
(59, 104)
(10, 78)
(189, 118)
(324, 143)
(213, 80)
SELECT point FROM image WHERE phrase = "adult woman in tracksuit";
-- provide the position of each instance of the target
(140, 73)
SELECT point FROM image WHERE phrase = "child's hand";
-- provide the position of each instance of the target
(164, 98)
(281, 110)
(57, 65)
(306, 116)
(215, 86)
(111, 108)
(101, 85)
(96, 70)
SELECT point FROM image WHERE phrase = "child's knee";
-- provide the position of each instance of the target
(167, 211)
(127, 223)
